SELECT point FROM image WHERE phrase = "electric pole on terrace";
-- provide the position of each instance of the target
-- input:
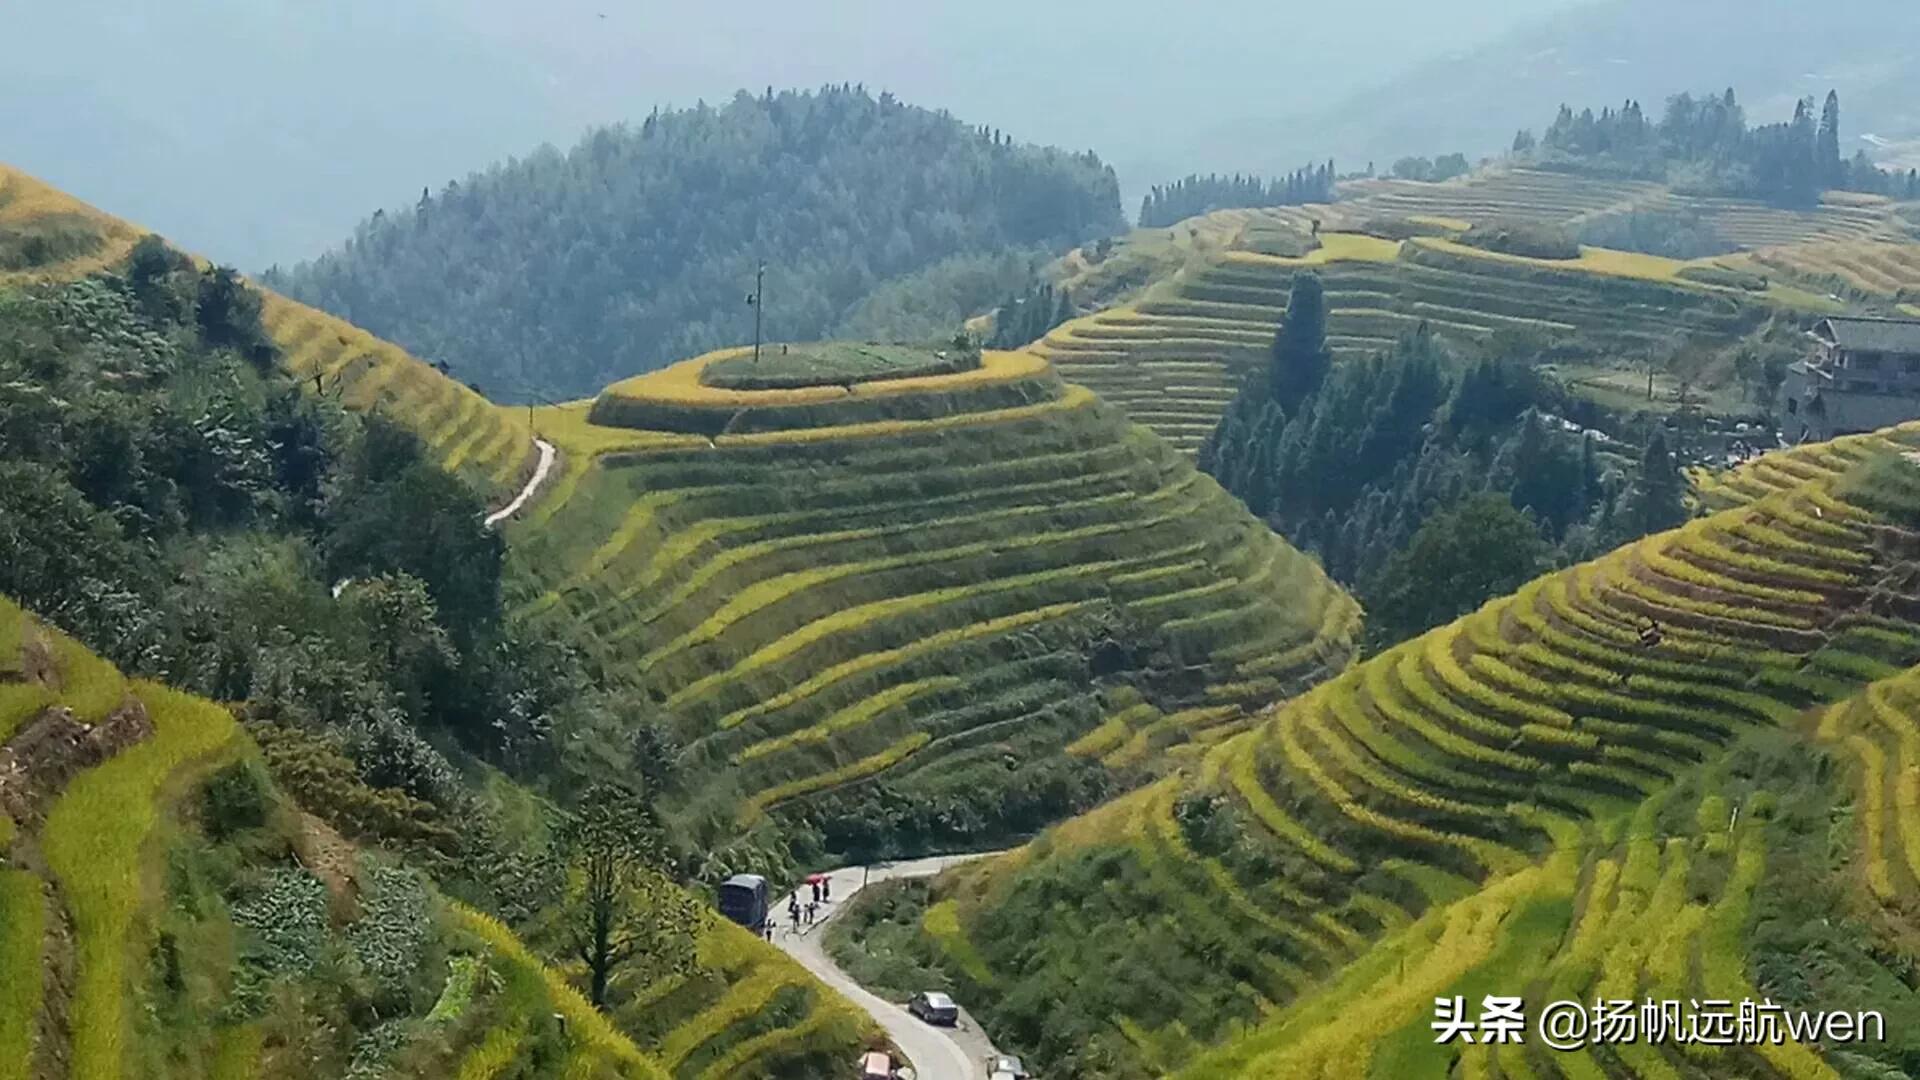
(758, 300)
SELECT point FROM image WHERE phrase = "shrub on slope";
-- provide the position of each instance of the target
(635, 247)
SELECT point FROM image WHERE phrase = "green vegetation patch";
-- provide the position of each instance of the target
(1277, 238)
(835, 363)
(1532, 240)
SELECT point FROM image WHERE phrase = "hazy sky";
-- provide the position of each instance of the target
(260, 130)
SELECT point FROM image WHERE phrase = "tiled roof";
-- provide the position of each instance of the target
(1873, 335)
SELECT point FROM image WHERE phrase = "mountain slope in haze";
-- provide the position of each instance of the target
(556, 274)
(1774, 51)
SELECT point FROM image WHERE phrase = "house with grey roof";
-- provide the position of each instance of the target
(1862, 374)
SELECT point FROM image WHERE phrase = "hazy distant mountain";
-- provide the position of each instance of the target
(259, 131)
(1770, 51)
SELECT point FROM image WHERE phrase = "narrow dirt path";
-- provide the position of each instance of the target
(936, 1053)
(540, 471)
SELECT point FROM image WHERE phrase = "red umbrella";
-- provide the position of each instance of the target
(815, 879)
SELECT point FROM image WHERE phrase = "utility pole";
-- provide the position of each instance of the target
(758, 300)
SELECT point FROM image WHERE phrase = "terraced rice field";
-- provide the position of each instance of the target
(1877, 267)
(1565, 199)
(816, 608)
(82, 890)
(1782, 470)
(1173, 358)
(468, 434)
(1428, 822)
(744, 1010)
(1511, 194)
(1652, 905)
(1175, 354)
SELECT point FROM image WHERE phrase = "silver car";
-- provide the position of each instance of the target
(1006, 1067)
(934, 1007)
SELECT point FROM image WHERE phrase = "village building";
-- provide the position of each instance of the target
(1863, 374)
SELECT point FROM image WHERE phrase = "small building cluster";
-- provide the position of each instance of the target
(1864, 374)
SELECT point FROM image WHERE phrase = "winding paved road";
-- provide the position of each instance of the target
(539, 477)
(936, 1053)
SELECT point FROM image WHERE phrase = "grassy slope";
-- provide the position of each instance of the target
(818, 606)
(1432, 821)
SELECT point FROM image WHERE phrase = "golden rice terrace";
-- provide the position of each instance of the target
(912, 582)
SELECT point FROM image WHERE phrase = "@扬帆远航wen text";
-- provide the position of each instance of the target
(1568, 1024)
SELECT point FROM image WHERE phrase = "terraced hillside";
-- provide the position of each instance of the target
(488, 445)
(1566, 199)
(144, 933)
(1876, 268)
(1432, 821)
(1188, 310)
(1786, 469)
(926, 586)
(1175, 356)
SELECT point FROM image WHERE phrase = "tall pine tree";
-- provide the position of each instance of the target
(1300, 358)
(1833, 172)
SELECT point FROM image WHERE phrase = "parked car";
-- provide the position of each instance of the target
(1007, 1067)
(934, 1007)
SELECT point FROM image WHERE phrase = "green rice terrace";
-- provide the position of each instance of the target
(1540, 798)
(926, 588)
(155, 924)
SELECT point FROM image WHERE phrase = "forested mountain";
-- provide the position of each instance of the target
(557, 273)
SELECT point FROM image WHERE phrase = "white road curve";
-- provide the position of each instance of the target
(539, 477)
(935, 1053)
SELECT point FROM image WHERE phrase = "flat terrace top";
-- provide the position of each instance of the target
(787, 366)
